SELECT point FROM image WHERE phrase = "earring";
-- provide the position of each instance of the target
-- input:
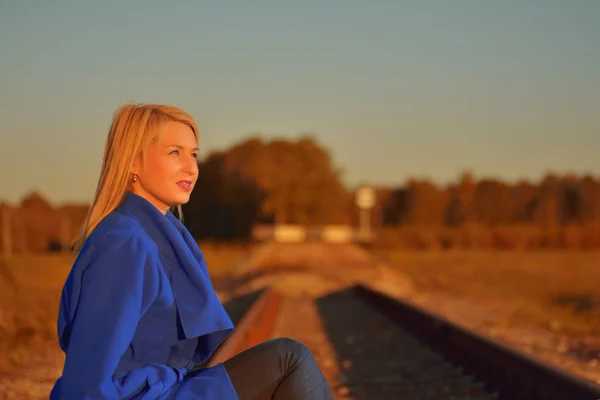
(135, 177)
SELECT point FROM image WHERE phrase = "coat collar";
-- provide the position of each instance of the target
(200, 310)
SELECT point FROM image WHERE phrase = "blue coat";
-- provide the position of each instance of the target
(138, 310)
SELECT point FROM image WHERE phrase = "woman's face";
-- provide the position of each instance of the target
(170, 170)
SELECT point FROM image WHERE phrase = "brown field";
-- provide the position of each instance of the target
(30, 287)
(555, 290)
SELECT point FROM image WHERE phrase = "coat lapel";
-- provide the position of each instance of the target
(199, 309)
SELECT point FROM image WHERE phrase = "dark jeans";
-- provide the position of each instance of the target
(279, 369)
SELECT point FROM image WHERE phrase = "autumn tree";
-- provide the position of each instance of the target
(524, 198)
(547, 202)
(224, 205)
(493, 202)
(460, 205)
(589, 199)
(40, 220)
(300, 182)
(396, 207)
(425, 203)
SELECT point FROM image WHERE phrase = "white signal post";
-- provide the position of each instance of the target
(365, 200)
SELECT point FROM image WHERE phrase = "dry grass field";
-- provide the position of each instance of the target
(30, 287)
(555, 290)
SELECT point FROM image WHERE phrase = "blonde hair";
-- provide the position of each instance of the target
(133, 129)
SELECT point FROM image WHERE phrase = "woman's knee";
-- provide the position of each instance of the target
(302, 372)
(292, 350)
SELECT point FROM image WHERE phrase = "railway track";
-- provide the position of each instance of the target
(371, 346)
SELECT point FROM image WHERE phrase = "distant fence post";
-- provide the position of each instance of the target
(6, 232)
(65, 232)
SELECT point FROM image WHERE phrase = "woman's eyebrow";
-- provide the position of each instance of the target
(181, 147)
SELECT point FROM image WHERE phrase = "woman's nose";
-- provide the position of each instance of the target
(190, 165)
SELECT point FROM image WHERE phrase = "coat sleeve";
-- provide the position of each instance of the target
(117, 285)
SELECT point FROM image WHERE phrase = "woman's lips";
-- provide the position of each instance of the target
(185, 185)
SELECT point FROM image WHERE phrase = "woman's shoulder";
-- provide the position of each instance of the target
(118, 229)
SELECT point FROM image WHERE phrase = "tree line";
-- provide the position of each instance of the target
(259, 181)
(554, 201)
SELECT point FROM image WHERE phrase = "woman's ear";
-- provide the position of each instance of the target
(135, 168)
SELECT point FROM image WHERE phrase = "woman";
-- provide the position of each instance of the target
(138, 315)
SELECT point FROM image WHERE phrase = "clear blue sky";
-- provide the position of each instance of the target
(395, 89)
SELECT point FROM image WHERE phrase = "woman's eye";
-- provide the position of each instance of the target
(174, 152)
(195, 155)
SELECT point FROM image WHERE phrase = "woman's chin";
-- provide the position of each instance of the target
(181, 199)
